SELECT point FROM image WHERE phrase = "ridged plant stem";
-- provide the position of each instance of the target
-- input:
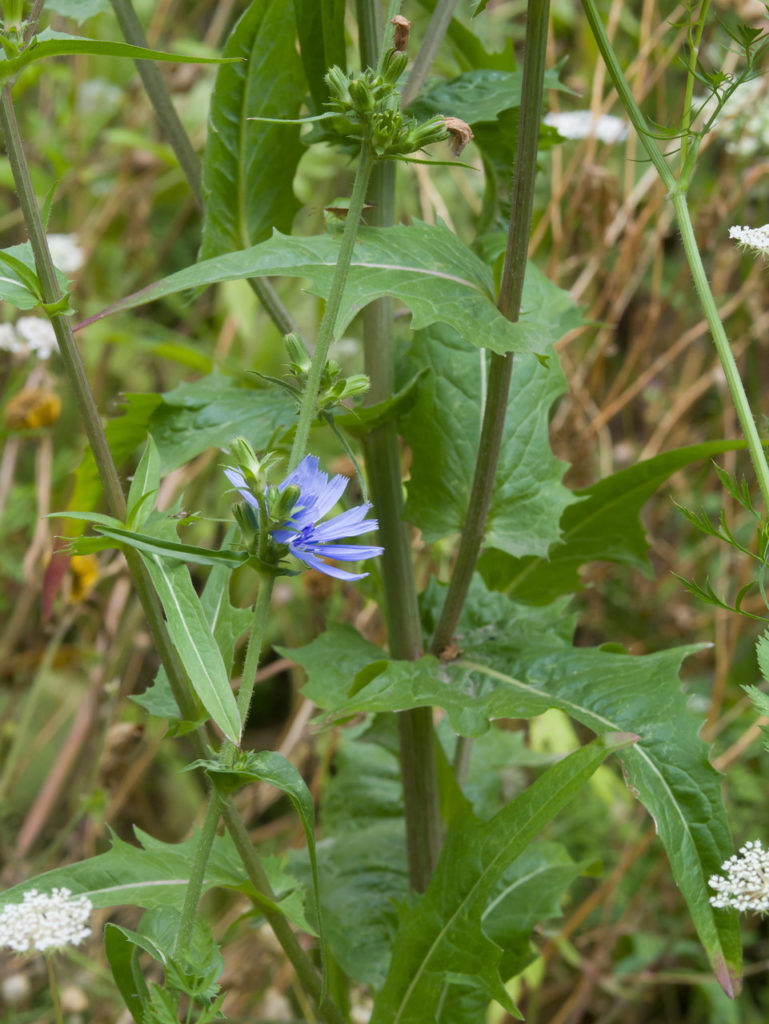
(415, 727)
(308, 408)
(254, 650)
(197, 874)
(509, 303)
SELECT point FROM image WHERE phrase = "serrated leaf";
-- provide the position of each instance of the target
(441, 939)
(144, 486)
(426, 267)
(248, 166)
(497, 677)
(191, 636)
(154, 874)
(603, 526)
(443, 430)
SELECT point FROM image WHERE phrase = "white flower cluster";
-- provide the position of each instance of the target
(746, 885)
(581, 124)
(744, 119)
(752, 238)
(45, 922)
(30, 335)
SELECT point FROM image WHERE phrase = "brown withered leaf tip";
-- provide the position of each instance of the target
(449, 653)
(401, 37)
(460, 132)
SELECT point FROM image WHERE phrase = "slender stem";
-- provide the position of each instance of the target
(254, 650)
(161, 100)
(680, 206)
(731, 372)
(626, 96)
(306, 972)
(78, 381)
(53, 985)
(436, 30)
(694, 50)
(393, 9)
(511, 290)
(197, 874)
(328, 321)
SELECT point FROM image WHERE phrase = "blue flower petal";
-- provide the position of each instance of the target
(342, 552)
(347, 524)
(328, 570)
(238, 481)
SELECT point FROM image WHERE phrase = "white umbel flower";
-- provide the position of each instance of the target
(582, 124)
(38, 334)
(45, 921)
(66, 253)
(10, 341)
(746, 882)
(752, 238)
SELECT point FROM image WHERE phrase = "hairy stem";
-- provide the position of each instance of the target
(197, 873)
(511, 290)
(415, 728)
(254, 650)
(328, 321)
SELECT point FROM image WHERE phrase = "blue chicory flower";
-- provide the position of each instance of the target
(307, 538)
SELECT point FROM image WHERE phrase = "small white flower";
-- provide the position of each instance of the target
(66, 253)
(45, 921)
(38, 334)
(582, 124)
(10, 341)
(752, 238)
(746, 885)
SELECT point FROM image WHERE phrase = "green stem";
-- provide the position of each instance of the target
(694, 49)
(626, 96)
(306, 972)
(415, 728)
(436, 30)
(394, 8)
(160, 98)
(678, 197)
(328, 322)
(53, 985)
(197, 874)
(254, 650)
(501, 367)
(731, 372)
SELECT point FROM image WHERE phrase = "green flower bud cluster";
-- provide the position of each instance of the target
(274, 505)
(334, 387)
(367, 105)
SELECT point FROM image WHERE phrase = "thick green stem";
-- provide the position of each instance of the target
(415, 728)
(436, 30)
(254, 650)
(511, 290)
(197, 874)
(306, 972)
(328, 322)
